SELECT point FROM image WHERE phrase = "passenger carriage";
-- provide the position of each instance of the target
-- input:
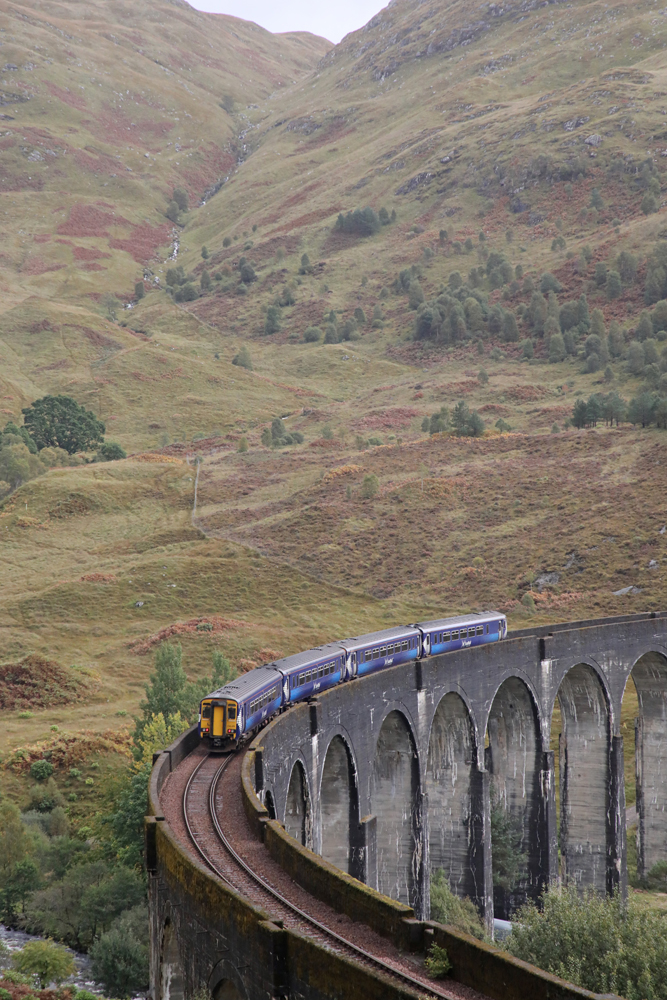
(248, 702)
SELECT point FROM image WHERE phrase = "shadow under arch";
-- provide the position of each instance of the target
(396, 803)
(225, 983)
(298, 811)
(451, 773)
(270, 805)
(649, 675)
(585, 778)
(515, 762)
(172, 982)
(339, 807)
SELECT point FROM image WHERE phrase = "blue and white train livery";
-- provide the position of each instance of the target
(247, 703)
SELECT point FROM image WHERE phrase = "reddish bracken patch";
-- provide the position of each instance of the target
(525, 393)
(195, 626)
(43, 238)
(37, 265)
(97, 164)
(98, 578)
(143, 242)
(36, 682)
(86, 220)
(385, 420)
(92, 267)
(88, 253)
(65, 95)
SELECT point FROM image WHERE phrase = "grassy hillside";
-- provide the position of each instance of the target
(471, 124)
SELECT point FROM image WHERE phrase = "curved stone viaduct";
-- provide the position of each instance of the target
(393, 777)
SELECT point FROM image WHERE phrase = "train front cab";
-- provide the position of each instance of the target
(218, 721)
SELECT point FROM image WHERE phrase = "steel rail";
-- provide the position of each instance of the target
(386, 967)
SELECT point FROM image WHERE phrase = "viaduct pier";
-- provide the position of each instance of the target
(353, 800)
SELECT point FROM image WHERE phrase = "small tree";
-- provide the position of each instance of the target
(49, 962)
(549, 283)
(243, 359)
(173, 212)
(205, 281)
(120, 957)
(579, 414)
(556, 348)
(205, 254)
(370, 487)
(614, 285)
(272, 320)
(60, 422)
(635, 358)
(181, 199)
(306, 267)
(139, 291)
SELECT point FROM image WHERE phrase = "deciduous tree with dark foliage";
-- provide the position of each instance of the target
(61, 422)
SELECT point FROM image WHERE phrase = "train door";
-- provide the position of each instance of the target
(218, 727)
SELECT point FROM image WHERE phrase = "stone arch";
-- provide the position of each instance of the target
(225, 983)
(172, 980)
(514, 762)
(449, 782)
(298, 812)
(396, 803)
(339, 805)
(650, 679)
(585, 775)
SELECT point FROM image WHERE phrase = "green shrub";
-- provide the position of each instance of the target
(110, 451)
(312, 335)
(243, 359)
(227, 242)
(139, 290)
(437, 962)
(331, 335)
(41, 770)
(205, 254)
(187, 293)
(600, 943)
(448, 908)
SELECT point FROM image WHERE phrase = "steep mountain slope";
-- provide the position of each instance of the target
(106, 108)
(512, 141)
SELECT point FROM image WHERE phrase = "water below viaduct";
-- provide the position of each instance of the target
(394, 777)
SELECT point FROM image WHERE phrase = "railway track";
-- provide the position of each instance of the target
(200, 813)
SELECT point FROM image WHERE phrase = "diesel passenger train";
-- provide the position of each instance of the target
(242, 706)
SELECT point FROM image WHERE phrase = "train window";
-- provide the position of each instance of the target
(455, 634)
(206, 712)
(232, 712)
(447, 637)
(368, 655)
(480, 630)
(376, 654)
